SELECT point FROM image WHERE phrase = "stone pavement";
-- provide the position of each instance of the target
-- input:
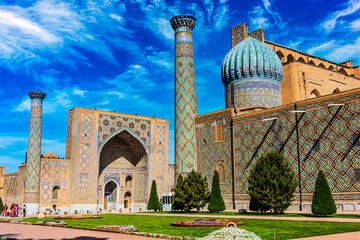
(30, 232)
(339, 236)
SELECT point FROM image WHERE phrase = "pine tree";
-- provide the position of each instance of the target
(196, 191)
(272, 184)
(154, 203)
(1, 205)
(179, 195)
(216, 202)
(323, 202)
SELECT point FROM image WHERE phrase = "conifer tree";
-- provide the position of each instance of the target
(196, 191)
(154, 203)
(272, 184)
(179, 195)
(1, 205)
(216, 202)
(323, 202)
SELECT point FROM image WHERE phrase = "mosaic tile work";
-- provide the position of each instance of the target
(83, 186)
(185, 95)
(209, 151)
(84, 156)
(111, 125)
(238, 34)
(140, 190)
(252, 73)
(45, 192)
(335, 142)
(32, 186)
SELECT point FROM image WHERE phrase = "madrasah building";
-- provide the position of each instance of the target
(276, 98)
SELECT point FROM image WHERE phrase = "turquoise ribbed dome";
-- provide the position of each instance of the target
(251, 59)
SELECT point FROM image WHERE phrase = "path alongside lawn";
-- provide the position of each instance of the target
(29, 232)
(310, 219)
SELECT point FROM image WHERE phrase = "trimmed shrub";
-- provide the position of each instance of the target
(1, 206)
(154, 203)
(216, 202)
(272, 183)
(323, 202)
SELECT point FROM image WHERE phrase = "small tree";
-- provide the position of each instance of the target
(1, 205)
(154, 203)
(179, 195)
(323, 202)
(271, 184)
(196, 191)
(216, 202)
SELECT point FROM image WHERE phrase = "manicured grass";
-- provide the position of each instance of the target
(259, 214)
(161, 224)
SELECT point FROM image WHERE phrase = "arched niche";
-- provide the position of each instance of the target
(127, 199)
(110, 195)
(290, 58)
(315, 93)
(342, 70)
(128, 181)
(301, 59)
(219, 132)
(331, 67)
(311, 62)
(322, 65)
(55, 193)
(337, 90)
(281, 56)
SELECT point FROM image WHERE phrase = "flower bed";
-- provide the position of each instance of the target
(116, 228)
(207, 223)
(231, 234)
(51, 223)
(78, 217)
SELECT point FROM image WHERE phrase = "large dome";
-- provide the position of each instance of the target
(252, 75)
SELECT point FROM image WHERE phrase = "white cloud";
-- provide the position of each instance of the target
(54, 146)
(9, 140)
(323, 47)
(352, 6)
(258, 19)
(355, 25)
(77, 91)
(345, 52)
(266, 16)
(25, 105)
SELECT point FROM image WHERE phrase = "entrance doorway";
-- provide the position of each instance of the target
(127, 199)
(110, 195)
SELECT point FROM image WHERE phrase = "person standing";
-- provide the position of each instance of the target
(4, 213)
(24, 211)
(16, 210)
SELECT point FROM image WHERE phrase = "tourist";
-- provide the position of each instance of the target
(16, 210)
(24, 211)
(4, 213)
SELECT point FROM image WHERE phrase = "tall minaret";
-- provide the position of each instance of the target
(32, 184)
(185, 95)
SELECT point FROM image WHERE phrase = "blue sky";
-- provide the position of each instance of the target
(118, 55)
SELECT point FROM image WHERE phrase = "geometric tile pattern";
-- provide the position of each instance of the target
(32, 187)
(111, 125)
(85, 126)
(209, 151)
(57, 172)
(83, 186)
(84, 156)
(45, 191)
(140, 182)
(185, 95)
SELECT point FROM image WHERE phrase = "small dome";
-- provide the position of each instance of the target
(252, 75)
(50, 155)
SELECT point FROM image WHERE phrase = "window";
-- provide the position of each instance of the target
(357, 175)
(55, 193)
(221, 170)
(317, 145)
(355, 140)
(219, 132)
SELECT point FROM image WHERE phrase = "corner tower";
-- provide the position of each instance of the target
(185, 95)
(32, 184)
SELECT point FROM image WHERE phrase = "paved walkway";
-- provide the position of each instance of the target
(311, 219)
(339, 236)
(30, 232)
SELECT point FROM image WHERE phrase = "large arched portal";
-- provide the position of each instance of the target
(122, 169)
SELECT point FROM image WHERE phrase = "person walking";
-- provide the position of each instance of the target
(24, 211)
(16, 210)
(4, 213)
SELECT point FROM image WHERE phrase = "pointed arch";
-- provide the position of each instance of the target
(219, 132)
(322, 65)
(337, 90)
(281, 56)
(290, 58)
(311, 62)
(55, 193)
(220, 167)
(315, 93)
(301, 59)
(128, 181)
(331, 67)
(342, 70)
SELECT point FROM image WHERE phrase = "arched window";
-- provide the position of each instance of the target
(331, 67)
(321, 65)
(314, 93)
(219, 132)
(290, 58)
(301, 59)
(128, 181)
(281, 56)
(55, 193)
(337, 90)
(342, 70)
(221, 170)
(312, 62)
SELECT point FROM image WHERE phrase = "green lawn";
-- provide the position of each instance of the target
(161, 224)
(259, 214)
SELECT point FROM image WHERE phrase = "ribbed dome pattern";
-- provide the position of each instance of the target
(251, 58)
